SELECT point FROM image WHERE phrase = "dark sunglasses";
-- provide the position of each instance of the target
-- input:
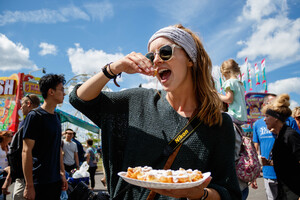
(298, 118)
(165, 52)
(29, 98)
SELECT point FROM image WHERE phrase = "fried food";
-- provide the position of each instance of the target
(155, 73)
(164, 176)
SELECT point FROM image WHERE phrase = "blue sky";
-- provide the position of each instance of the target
(79, 37)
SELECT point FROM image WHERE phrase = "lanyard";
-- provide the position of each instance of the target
(182, 135)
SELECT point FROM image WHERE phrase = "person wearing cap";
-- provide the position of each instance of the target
(137, 124)
(296, 115)
(285, 155)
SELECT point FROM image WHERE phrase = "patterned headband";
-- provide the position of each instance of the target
(180, 37)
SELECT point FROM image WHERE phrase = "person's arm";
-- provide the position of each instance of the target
(64, 185)
(130, 64)
(28, 144)
(7, 181)
(256, 145)
(88, 157)
(228, 97)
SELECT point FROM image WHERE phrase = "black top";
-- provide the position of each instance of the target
(286, 157)
(45, 130)
(80, 150)
(137, 125)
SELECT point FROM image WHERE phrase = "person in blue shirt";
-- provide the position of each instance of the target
(263, 141)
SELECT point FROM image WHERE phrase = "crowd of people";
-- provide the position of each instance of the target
(138, 127)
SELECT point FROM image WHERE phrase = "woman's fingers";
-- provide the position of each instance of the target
(137, 63)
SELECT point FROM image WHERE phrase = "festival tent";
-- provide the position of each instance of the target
(66, 117)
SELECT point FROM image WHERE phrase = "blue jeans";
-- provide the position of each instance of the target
(245, 193)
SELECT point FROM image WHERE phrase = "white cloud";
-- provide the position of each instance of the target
(278, 38)
(99, 11)
(14, 56)
(43, 16)
(179, 10)
(47, 49)
(257, 9)
(285, 86)
(274, 36)
(91, 61)
(293, 104)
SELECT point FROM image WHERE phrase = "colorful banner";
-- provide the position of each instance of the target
(244, 81)
(249, 74)
(254, 102)
(264, 79)
(8, 101)
(263, 69)
(257, 74)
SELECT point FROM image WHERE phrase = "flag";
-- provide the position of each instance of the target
(264, 79)
(249, 74)
(244, 81)
(257, 74)
(263, 69)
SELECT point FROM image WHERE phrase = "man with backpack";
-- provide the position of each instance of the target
(28, 103)
(42, 159)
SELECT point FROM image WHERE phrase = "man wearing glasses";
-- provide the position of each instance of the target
(28, 102)
(42, 159)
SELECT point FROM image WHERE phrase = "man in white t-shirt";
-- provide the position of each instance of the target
(70, 150)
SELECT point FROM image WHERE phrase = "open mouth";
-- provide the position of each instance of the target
(164, 74)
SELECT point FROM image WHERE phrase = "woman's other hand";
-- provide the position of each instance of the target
(191, 193)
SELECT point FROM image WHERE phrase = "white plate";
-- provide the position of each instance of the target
(147, 184)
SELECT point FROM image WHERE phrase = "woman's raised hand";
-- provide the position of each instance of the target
(133, 63)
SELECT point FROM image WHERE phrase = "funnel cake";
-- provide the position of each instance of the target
(164, 176)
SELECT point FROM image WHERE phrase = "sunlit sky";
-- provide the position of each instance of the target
(79, 37)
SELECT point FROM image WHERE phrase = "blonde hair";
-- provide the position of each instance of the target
(230, 67)
(280, 105)
(209, 103)
(296, 112)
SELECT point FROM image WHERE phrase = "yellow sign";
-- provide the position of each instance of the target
(32, 88)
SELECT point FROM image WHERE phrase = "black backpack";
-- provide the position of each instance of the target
(14, 154)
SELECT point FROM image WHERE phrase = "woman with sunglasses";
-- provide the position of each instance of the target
(138, 123)
(5, 180)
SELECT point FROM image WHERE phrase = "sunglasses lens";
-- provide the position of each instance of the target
(165, 52)
(150, 56)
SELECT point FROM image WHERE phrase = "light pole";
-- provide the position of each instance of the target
(40, 69)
